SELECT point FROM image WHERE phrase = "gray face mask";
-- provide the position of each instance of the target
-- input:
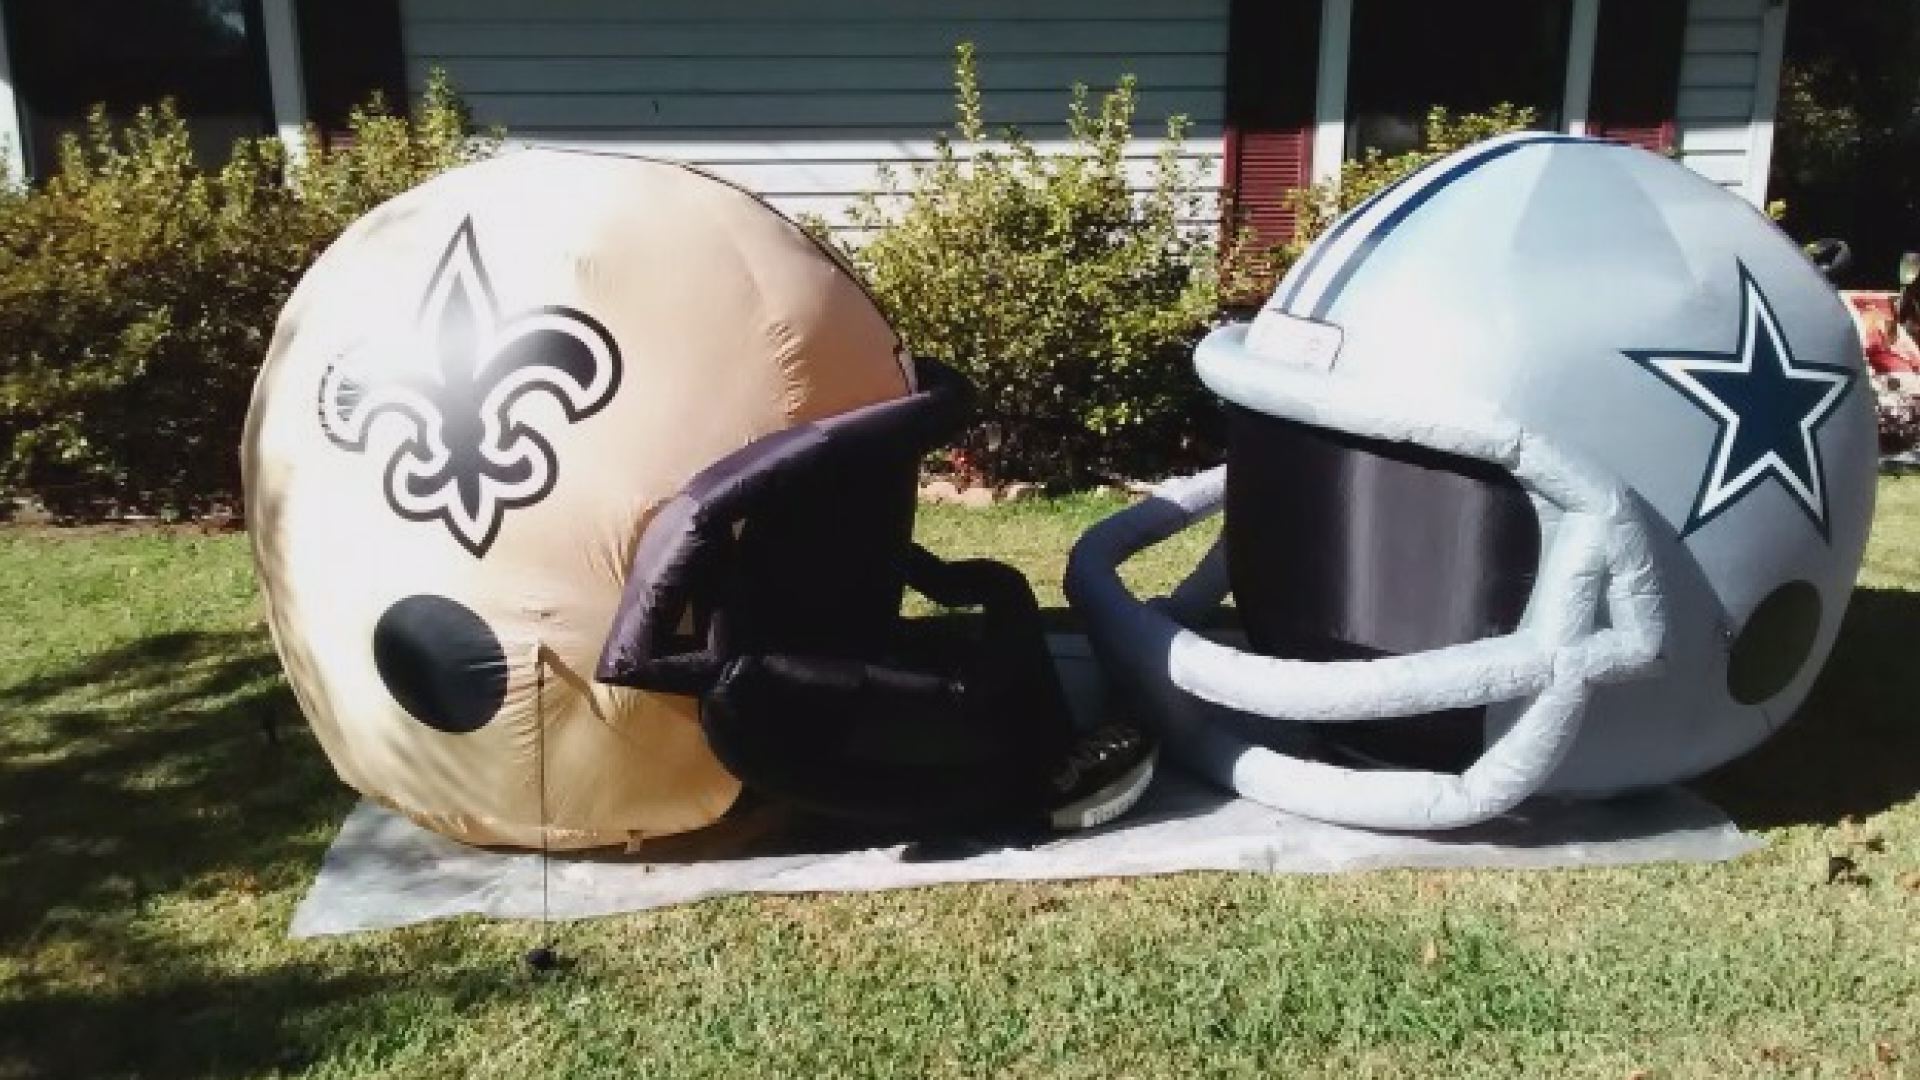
(1596, 556)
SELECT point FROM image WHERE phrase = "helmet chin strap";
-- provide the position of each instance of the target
(1598, 557)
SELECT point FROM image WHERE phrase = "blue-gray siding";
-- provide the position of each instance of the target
(803, 102)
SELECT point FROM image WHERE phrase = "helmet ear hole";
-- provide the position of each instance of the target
(1775, 643)
(441, 662)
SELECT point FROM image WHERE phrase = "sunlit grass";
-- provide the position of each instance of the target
(153, 843)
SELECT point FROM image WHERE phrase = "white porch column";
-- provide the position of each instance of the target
(1766, 101)
(1330, 96)
(281, 32)
(1576, 100)
(13, 143)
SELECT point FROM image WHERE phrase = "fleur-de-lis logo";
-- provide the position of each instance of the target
(459, 384)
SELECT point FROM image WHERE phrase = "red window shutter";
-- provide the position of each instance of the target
(348, 50)
(1636, 72)
(1262, 168)
(1273, 55)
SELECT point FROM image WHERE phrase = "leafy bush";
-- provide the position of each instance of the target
(138, 293)
(1252, 271)
(1070, 300)
(387, 153)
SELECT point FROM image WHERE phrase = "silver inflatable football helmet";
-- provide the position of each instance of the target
(1550, 470)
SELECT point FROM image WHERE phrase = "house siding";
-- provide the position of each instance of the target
(804, 105)
(1721, 93)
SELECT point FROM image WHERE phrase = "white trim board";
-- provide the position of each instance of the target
(13, 145)
(1576, 100)
(1330, 96)
(1766, 101)
(280, 31)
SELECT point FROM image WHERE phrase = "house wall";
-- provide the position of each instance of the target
(804, 103)
(801, 103)
(1729, 85)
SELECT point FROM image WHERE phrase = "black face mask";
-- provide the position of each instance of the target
(770, 588)
(1345, 548)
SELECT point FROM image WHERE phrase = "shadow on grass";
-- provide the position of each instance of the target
(233, 1026)
(146, 767)
(1854, 748)
(138, 794)
(143, 814)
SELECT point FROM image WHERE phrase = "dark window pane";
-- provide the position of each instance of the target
(349, 49)
(69, 55)
(1410, 55)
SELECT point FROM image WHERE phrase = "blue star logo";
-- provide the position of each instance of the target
(1769, 410)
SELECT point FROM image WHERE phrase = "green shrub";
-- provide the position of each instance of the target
(138, 293)
(1070, 300)
(387, 154)
(1252, 271)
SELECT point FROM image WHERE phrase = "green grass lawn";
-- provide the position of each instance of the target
(153, 844)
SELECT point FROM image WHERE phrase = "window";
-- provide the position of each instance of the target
(69, 55)
(1410, 55)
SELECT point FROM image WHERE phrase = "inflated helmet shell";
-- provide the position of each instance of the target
(1643, 365)
(473, 404)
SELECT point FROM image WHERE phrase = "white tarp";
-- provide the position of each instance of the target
(385, 871)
